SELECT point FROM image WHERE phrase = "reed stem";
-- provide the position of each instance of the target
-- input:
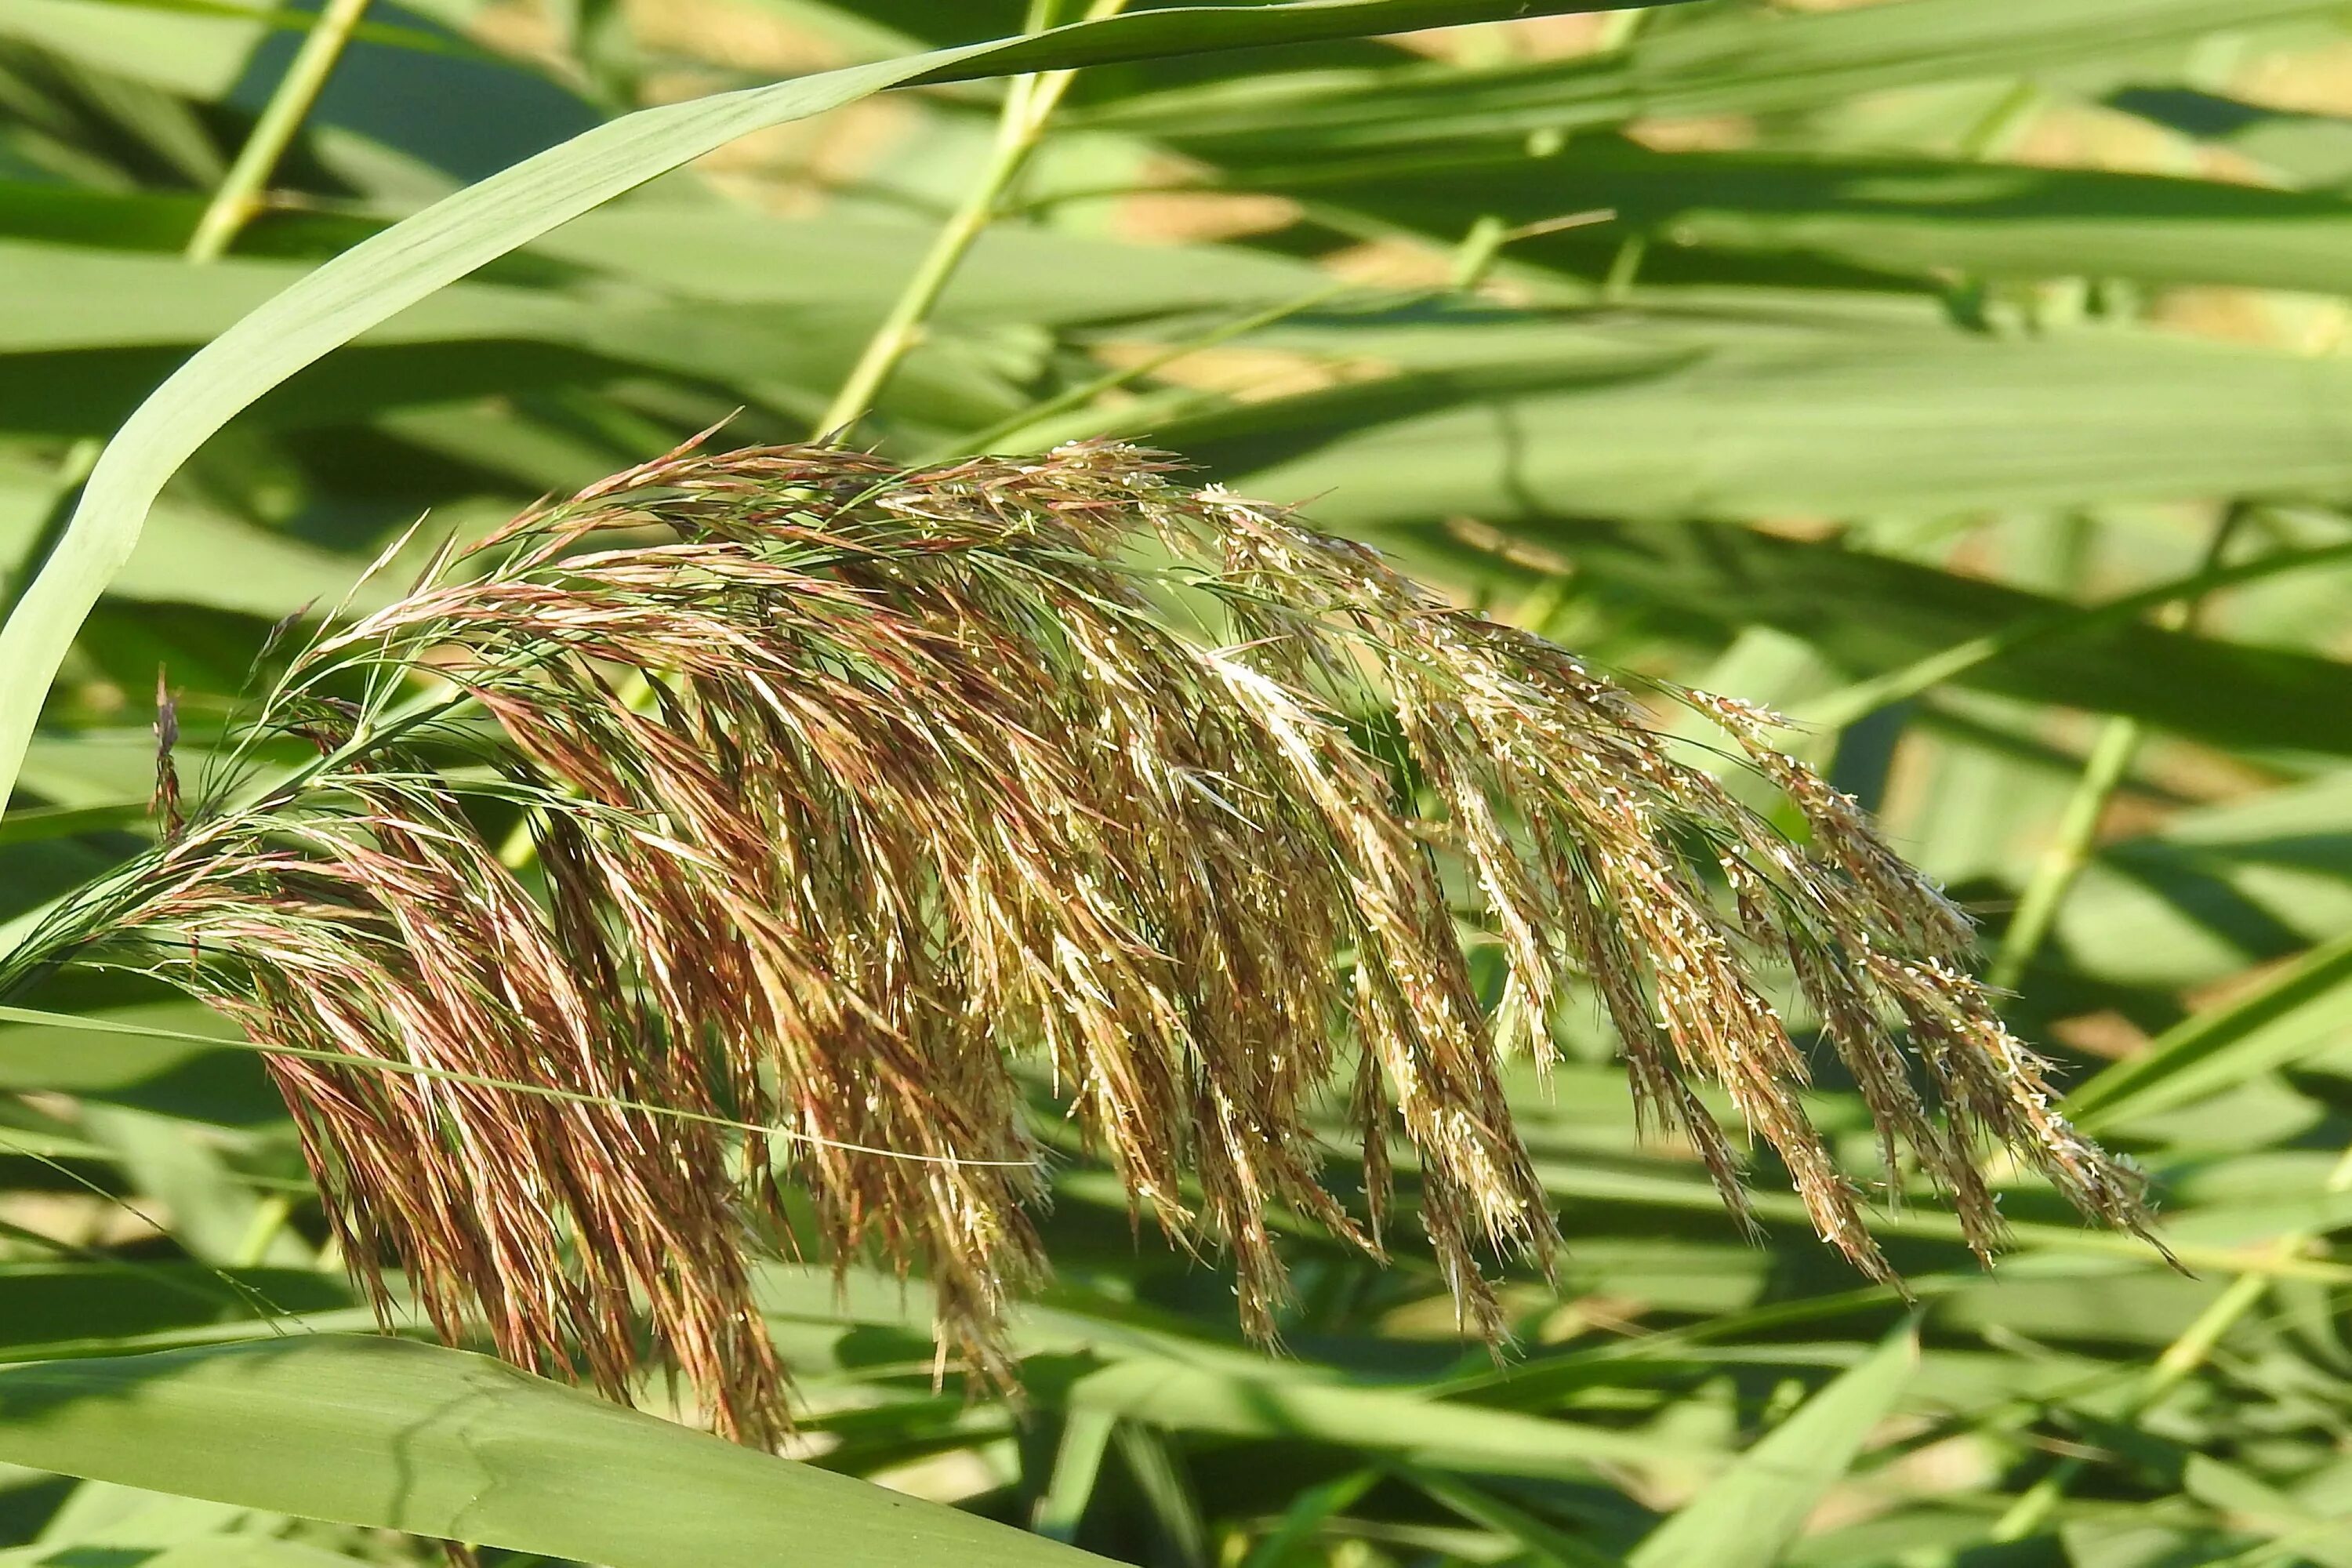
(232, 206)
(1029, 105)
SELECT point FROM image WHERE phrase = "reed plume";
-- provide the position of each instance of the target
(852, 786)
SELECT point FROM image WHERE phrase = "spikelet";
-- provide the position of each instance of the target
(920, 773)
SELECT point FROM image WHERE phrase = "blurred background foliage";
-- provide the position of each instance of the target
(1967, 378)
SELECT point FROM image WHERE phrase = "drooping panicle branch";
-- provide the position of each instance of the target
(853, 787)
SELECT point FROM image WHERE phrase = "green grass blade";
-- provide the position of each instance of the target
(38, 823)
(1733, 60)
(2302, 1009)
(1541, 1543)
(1839, 600)
(386, 1433)
(1747, 1519)
(1307, 1514)
(381, 276)
(1909, 216)
(1281, 1404)
(1830, 405)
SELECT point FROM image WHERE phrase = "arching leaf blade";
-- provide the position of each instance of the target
(388, 1432)
(381, 276)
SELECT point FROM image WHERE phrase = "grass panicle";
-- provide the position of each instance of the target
(853, 787)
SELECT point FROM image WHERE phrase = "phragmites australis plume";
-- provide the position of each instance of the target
(851, 788)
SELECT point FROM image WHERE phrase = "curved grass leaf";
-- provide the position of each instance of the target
(1749, 1518)
(2304, 1008)
(1778, 405)
(1913, 216)
(377, 278)
(371, 1431)
(97, 1306)
(1735, 60)
(2214, 889)
(1430, 1433)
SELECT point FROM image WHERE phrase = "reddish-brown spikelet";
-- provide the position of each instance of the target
(917, 777)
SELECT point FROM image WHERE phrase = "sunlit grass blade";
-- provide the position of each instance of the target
(1749, 1518)
(378, 277)
(400, 1436)
(2301, 1009)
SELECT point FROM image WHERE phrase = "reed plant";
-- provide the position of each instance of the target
(1083, 1003)
(849, 787)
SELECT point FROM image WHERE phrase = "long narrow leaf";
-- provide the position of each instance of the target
(1735, 60)
(388, 1433)
(2302, 1008)
(381, 276)
(1747, 1519)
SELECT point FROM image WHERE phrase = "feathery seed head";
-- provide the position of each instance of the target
(918, 777)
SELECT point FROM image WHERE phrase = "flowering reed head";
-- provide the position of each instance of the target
(848, 788)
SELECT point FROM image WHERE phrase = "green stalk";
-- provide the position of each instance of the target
(1850, 704)
(2178, 1361)
(234, 204)
(2104, 773)
(1474, 257)
(1030, 421)
(1482, 246)
(239, 197)
(1078, 1465)
(1625, 268)
(1029, 105)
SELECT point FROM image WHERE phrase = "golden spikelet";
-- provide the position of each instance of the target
(851, 785)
